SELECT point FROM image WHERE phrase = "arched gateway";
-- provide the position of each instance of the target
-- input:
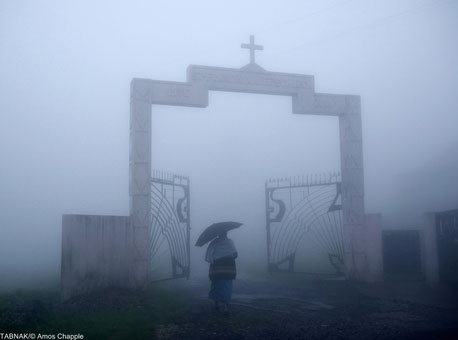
(120, 251)
(249, 79)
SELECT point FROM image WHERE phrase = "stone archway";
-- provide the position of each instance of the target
(144, 93)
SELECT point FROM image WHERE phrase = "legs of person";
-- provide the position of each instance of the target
(213, 295)
(221, 292)
(227, 296)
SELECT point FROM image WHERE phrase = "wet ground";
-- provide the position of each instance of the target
(299, 307)
(270, 307)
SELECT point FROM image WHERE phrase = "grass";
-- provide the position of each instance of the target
(128, 324)
(109, 314)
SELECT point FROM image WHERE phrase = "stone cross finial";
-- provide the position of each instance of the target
(252, 47)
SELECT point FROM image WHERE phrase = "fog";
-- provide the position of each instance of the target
(65, 72)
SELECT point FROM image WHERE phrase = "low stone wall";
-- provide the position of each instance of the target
(423, 223)
(373, 242)
(96, 253)
(372, 239)
(430, 260)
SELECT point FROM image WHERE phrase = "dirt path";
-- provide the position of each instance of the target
(285, 307)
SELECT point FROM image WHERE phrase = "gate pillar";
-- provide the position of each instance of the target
(348, 109)
(139, 179)
(351, 160)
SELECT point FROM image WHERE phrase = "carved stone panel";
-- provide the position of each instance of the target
(350, 127)
(351, 154)
(141, 90)
(141, 213)
(359, 238)
(354, 182)
(140, 146)
(140, 115)
(225, 79)
(354, 239)
(181, 94)
(139, 178)
(353, 210)
(141, 243)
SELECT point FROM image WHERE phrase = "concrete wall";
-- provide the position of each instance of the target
(96, 253)
(430, 256)
(373, 243)
(426, 225)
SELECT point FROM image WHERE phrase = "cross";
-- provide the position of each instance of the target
(252, 47)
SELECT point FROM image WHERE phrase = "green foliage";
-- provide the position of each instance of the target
(109, 314)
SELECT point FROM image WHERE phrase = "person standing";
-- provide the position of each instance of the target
(221, 254)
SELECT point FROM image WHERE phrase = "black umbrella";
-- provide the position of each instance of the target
(214, 230)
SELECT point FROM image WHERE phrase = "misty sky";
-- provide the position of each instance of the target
(65, 70)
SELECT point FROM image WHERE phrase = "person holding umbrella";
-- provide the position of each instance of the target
(221, 254)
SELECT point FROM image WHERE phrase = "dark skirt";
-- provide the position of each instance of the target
(223, 269)
(221, 291)
(221, 273)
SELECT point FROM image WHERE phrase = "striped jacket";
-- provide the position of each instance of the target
(223, 268)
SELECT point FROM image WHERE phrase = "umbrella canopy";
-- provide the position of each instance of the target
(214, 230)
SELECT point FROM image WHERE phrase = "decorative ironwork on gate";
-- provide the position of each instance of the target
(170, 231)
(306, 206)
